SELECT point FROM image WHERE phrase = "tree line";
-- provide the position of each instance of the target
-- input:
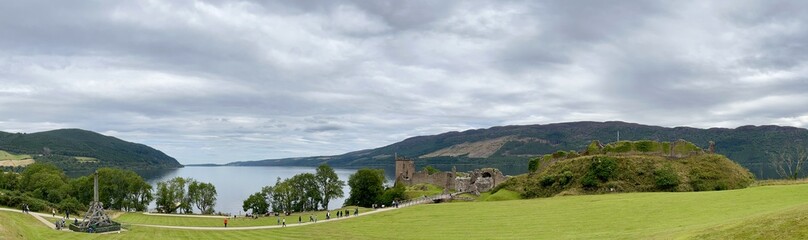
(302, 192)
(44, 186)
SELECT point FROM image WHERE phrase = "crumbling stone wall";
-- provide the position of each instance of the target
(477, 181)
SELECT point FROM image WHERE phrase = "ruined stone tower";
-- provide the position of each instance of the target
(405, 168)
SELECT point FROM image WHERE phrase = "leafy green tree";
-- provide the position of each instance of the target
(118, 189)
(203, 196)
(329, 185)
(171, 196)
(395, 193)
(282, 199)
(9, 181)
(257, 203)
(305, 193)
(71, 205)
(429, 169)
(366, 187)
(44, 181)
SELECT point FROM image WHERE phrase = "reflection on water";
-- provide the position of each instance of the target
(234, 184)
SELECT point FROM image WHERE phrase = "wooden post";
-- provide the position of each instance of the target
(95, 187)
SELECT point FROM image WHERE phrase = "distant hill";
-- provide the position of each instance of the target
(750, 146)
(76, 149)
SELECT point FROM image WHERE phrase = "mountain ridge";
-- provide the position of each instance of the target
(750, 146)
(78, 149)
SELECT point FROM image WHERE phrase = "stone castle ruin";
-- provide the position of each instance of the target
(475, 182)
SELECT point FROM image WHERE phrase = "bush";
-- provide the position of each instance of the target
(533, 164)
(645, 146)
(603, 167)
(593, 148)
(560, 154)
(666, 178)
(590, 181)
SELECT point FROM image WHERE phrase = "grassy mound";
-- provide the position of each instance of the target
(631, 173)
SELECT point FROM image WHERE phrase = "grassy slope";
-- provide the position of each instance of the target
(8, 156)
(633, 215)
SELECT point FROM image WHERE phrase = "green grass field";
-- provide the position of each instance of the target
(9, 156)
(140, 218)
(759, 212)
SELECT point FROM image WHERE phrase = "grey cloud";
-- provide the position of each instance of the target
(270, 79)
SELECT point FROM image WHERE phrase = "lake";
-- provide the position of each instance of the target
(235, 184)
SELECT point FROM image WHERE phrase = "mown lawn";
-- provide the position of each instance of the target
(614, 216)
(140, 218)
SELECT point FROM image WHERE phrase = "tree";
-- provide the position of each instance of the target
(366, 187)
(44, 181)
(329, 184)
(203, 196)
(118, 189)
(172, 196)
(257, 203)
(429, 169)
(282, 197)
(394, 193)
(305, 194)
(71, 205)
(9, 181)
(789, 161)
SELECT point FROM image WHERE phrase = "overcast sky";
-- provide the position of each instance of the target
(221, 81)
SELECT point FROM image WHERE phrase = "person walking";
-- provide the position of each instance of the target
(299, 219)
(284, 222)
(53, 212)
(279, 220)
(225, 222)
(356, 212)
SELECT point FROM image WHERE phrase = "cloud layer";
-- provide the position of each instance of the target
(220, 81)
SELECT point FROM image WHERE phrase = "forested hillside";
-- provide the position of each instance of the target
(75, 149)
(750, 146)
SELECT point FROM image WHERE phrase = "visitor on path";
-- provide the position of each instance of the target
(299, 219)
(53, 212)
(225, 222)
(327, 215)
(347, 213)
(279, 221)
(311, 218)
(356, 212)
(284, 222)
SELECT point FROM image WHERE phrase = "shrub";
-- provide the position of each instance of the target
(533, 164)
(645, 146)
(547, 181)
(560, 154)
(589, 181)
(603, 167)
(565, 178)
(429, 169)
(666, 178)
(594, 148)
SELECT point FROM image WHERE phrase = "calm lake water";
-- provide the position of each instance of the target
(235, 184)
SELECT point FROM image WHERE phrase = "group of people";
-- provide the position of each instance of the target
(25, 208)
(312, 218)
